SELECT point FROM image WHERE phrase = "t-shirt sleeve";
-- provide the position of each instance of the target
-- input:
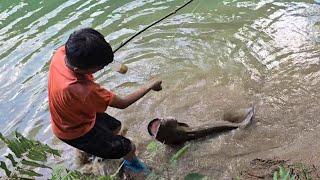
(99, 98)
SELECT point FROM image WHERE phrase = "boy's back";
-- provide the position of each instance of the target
(74, 99)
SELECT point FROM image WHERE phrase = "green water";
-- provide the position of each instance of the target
(211, 56)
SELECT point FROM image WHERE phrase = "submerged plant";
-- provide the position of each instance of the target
(283, 174)
(25, 155)
(179, 153)
(162, 172)
(152, 148)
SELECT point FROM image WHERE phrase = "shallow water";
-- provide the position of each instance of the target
(212, 56)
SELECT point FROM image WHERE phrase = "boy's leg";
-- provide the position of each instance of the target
(131, 161)
(114, 125)
(101, 140)
(106, 121)
(132, 154)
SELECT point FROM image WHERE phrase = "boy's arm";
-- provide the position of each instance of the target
(122, 103)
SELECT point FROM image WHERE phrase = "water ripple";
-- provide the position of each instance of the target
(211, 56)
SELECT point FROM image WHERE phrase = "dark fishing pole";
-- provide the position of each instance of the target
(144, 29)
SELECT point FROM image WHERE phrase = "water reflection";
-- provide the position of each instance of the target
(219, 55)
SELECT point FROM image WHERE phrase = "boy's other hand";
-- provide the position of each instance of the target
(156, 85)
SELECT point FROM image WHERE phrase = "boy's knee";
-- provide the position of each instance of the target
(117, 130)
(132, 153)
(133, 147)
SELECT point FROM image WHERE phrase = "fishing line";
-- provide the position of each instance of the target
(120, 67)
(181, 26)
(196, 7)
(152, 24)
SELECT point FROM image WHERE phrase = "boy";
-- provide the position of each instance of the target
(77, 104)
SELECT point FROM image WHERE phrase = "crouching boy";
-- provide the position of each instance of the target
(77, 103)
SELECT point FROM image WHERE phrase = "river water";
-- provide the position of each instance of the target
(212, 56)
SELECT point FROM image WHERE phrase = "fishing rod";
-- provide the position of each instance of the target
(152, 24)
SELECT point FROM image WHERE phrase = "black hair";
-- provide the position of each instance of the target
(150, 125)
(86, 48)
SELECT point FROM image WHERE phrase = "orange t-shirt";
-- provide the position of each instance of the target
(74, 99)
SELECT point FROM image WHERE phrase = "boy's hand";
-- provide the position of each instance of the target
(156, 85)
(123, 103)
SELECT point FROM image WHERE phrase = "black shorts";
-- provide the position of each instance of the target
(100, 141)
